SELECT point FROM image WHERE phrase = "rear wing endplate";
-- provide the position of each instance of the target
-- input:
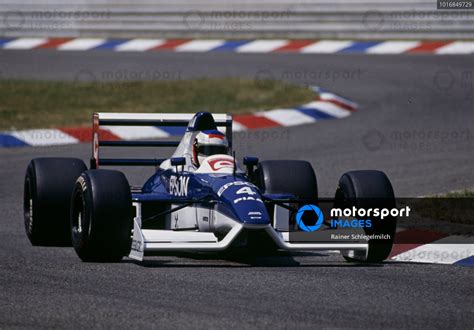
(143, 119)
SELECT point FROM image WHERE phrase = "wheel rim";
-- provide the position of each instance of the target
(77, 225)
(28, 207)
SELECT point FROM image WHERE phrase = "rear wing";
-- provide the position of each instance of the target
(144, 119)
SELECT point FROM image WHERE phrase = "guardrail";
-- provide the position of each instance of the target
(352, 19)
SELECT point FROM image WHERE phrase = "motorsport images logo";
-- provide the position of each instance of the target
(310, 217)
(315, 212)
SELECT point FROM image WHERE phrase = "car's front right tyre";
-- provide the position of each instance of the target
(47, 193)
(101, 216)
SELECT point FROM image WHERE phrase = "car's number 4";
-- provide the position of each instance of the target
(245, 190)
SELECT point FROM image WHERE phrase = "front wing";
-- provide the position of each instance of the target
(152, 240)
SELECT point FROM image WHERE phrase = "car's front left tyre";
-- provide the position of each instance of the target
(101, 216)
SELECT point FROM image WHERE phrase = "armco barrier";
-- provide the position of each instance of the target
(323, 19)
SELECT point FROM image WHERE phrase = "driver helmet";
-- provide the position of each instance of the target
(208, 143)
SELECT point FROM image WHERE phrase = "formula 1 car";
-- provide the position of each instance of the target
(213, 207)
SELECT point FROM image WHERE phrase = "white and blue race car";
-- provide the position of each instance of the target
(183, 207)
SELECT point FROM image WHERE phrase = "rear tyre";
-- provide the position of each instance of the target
(48, 187)
(370, 189)
(101, 216)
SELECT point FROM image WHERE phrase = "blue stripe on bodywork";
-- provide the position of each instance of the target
(315, 113)
(466, 262)
(8, 141)
(111, 44)
(359, 47)
(230, 46)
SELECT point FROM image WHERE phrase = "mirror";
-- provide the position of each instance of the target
(250, 161)
(177, 161)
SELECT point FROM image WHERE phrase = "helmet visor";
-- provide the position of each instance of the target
(209, 150)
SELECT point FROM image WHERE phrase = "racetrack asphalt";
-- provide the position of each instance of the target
(415, 123)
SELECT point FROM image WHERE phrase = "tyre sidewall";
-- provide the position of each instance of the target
(106, 219)
(81, 201)
(30, 206)
(48, 186)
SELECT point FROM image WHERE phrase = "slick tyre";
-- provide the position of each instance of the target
(101, 216)
(48, 187)
(370, 189)
(294, 177)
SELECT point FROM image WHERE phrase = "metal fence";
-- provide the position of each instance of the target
(319, 19)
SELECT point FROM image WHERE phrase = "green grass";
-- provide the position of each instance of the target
(43, 104)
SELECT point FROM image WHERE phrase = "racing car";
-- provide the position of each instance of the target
(199, 199)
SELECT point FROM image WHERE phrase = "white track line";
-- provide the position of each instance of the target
(81, 44)
(261, 46)
(332, 97)
(447, 250)
(25, 43)
(133, 133)
(139, 45)
(199, 45)
(44, 137)
(393, 47)
(287, 117)
(457, 47)
(326, 46)
(238, 127)
(329, 108)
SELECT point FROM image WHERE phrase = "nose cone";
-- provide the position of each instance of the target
(244, 202)
(250, 211)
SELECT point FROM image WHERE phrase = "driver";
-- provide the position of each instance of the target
(208, 143)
